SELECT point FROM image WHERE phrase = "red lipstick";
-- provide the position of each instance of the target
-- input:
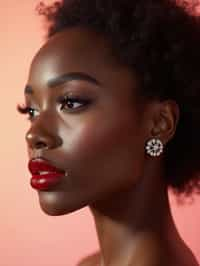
(44, 175)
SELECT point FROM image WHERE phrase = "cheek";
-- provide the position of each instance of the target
(105, 151)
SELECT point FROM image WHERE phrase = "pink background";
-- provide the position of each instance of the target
(28, 236)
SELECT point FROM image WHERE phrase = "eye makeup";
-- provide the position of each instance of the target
(67, 104)
(24, 109)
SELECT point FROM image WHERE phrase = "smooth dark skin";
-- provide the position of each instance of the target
(102, 148)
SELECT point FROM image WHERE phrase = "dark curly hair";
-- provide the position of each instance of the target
(160, 40)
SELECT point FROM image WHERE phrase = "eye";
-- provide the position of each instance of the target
(24, 109)
(71, 103)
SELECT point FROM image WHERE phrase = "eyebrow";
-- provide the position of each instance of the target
(57, 81)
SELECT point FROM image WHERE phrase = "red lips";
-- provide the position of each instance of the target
(44, 175)
(37, 165)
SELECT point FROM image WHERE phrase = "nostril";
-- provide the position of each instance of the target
(40, 144)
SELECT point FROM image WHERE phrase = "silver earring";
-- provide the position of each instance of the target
(154, 147)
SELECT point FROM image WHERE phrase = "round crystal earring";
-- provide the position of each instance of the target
(154, 147)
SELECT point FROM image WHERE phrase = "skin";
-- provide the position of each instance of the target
(102, 148)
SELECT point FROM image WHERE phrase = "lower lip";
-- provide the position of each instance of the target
(46, 181)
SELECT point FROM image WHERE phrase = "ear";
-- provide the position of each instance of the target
(165, 119)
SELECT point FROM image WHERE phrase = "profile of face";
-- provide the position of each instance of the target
(88, 120)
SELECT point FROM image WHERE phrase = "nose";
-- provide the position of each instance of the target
(42, 140)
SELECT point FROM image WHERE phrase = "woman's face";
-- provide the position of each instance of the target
(100, 144)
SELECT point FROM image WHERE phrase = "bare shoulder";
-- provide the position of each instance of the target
(90, 260)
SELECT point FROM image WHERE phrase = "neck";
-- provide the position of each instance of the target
(133, 220)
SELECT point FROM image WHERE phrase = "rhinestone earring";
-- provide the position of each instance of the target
(154, 147)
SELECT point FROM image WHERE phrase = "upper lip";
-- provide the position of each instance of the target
(37, 165)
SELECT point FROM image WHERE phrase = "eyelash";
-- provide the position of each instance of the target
(24, 109)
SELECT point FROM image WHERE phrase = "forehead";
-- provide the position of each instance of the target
(78, 50)
(73, 49)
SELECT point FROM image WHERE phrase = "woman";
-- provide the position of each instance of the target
(113, 98)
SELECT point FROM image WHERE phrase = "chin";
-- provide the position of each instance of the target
(55, 204)
(51, 211)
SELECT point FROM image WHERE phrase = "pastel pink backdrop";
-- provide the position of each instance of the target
(28, 236)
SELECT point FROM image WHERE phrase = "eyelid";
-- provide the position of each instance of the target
(77, 94)
(74, 96)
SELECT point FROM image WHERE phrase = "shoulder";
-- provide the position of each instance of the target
(90, 260)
